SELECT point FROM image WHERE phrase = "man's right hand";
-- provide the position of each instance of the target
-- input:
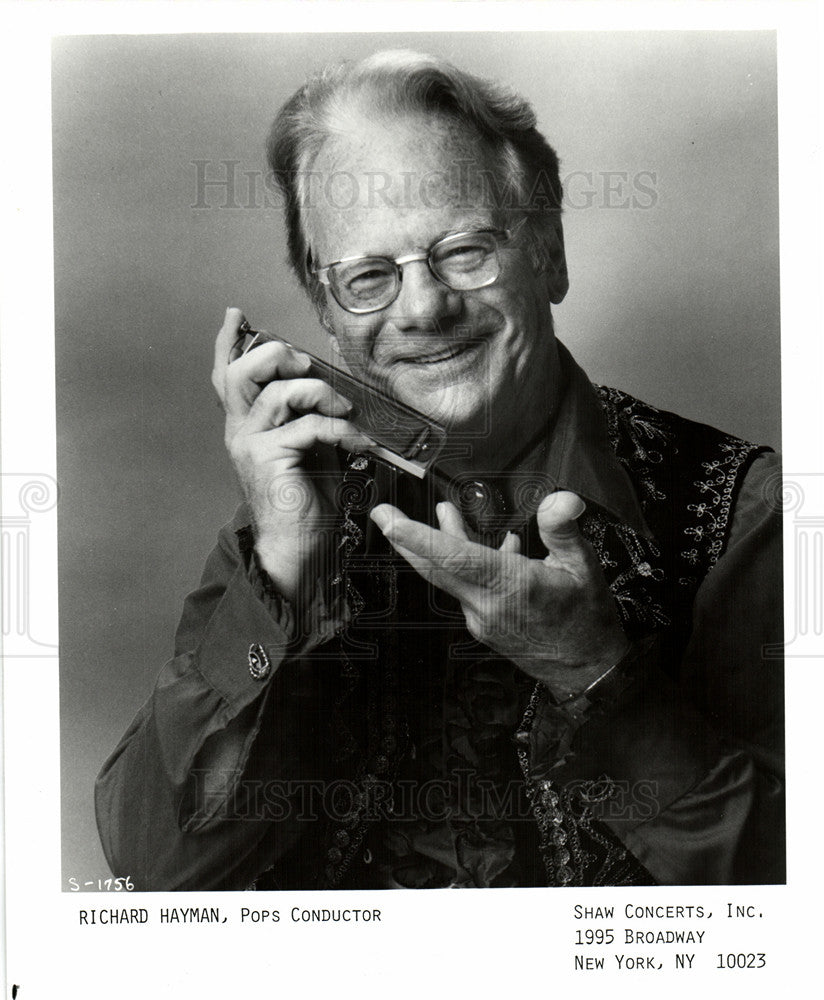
(281, 429)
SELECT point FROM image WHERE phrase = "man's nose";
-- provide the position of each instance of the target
(424, 303)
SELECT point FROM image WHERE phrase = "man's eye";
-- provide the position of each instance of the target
(464, 256)
(366, 282)
(364, 278)
(375, 274)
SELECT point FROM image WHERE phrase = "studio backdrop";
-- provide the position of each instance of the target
(164, 216)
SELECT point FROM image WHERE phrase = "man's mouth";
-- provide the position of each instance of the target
(434, 357)
(439, 356)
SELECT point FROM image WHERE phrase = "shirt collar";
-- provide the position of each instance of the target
(579, 457)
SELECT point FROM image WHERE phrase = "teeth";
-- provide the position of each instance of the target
(429, 359)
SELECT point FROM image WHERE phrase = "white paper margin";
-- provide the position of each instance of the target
(483, 944)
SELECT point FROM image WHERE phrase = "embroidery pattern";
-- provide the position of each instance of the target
(575, 848)
(685, 475)
(386, 740)
(713, 512)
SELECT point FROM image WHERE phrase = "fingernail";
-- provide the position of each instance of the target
(571, 505)
(511, 542)
(381, 517)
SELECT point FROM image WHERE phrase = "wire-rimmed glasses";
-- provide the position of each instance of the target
(461, 261)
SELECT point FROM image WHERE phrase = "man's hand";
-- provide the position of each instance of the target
(280, 433)
(553, 617)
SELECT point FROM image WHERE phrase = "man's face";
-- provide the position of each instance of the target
(473, 360)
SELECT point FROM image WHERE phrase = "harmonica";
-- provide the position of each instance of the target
(406, 438)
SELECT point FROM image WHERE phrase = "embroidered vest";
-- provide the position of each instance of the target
(686, 476)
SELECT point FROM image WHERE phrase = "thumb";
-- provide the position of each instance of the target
(557, 523)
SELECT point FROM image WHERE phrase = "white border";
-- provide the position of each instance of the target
(487, 944)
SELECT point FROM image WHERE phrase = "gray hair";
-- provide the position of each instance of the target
(397, 82)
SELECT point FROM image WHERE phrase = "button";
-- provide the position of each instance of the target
(259, 665)
(481, 503)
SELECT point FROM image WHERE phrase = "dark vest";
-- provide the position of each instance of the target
(686, 476)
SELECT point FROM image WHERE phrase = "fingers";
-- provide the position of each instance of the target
(450, 520)
(244, 378)
(238, 380)
(308, 431)
(448, 561)
(452, 523)
(557, 522)
(226, 338)
(284, 448)
(282, 401)
(511, 543)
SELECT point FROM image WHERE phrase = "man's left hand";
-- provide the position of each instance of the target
(553, 617)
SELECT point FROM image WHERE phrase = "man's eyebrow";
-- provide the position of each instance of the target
(471, 225)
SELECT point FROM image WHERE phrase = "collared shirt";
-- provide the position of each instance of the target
(177, 802)
(578, 455)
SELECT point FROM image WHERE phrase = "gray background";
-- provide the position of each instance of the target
(674, 299)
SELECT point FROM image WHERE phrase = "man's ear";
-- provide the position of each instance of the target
(556, 274)
(326, 322)
(322, 312)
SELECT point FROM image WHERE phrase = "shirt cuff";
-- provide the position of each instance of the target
(262, 586)
(318, 621)
(550, 728)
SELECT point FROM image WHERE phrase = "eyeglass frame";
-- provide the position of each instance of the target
(502, 235)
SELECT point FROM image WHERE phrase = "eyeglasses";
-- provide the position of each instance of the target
(461, 261)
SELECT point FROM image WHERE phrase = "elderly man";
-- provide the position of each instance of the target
(540, 664)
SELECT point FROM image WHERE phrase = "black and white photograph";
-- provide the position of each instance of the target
(418, 499)
(524, 631)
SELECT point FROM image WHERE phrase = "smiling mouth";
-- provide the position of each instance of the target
(436, 357)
